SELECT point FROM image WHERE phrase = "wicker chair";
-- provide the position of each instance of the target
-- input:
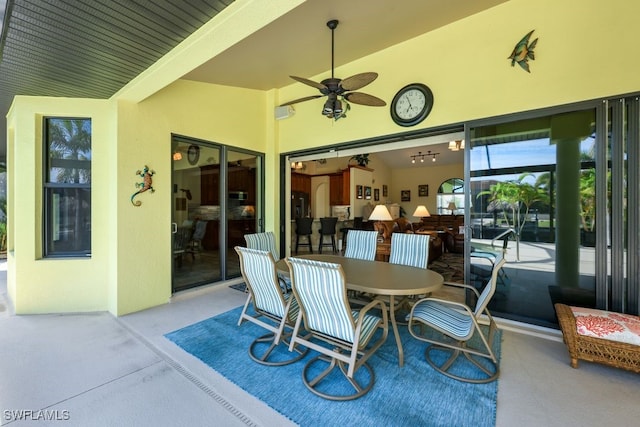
(454, 325)
(320, 289)
(275, 310)
(592, 349)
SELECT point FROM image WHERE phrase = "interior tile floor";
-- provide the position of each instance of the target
(99, 370)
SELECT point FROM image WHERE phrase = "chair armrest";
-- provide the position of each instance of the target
(450, 304)
(372, 304)
(462, 285)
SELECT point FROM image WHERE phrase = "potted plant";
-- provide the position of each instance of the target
(361, 159)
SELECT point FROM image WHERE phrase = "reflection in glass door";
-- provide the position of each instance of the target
(243, 203)
(534, 179)
(195, 213)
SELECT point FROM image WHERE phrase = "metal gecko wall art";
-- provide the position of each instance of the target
(145, 185)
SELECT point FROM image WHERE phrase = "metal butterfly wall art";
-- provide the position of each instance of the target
(523, 52)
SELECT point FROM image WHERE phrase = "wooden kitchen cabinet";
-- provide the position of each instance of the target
(210, 185)
(300, 183)
(240, 179)
(339, 188)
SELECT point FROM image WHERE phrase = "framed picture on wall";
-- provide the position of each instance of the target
(385, 192)
(358, 191)
(423, 190)
(405, 196)
(376, 194)
(367, 193)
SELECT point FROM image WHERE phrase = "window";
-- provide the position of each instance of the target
(450, 197)
(67, 187)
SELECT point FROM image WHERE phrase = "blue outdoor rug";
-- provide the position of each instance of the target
(414, 395)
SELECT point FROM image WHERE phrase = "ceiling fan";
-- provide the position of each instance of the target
(336, 89)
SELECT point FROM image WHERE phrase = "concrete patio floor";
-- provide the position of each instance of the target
(97, 370)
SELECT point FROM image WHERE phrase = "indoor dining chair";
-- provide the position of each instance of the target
(350, 336)
(449, 328)
(361, 244)
(273, 309)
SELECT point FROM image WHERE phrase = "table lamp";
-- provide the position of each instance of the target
(381, 213)
(421, 212)
(452, 207)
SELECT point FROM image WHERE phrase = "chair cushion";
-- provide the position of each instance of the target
(454, 323)
(624, 328)
(369, 326)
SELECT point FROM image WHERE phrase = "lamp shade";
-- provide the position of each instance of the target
(452, 206)
(380, 213)
(421, 212)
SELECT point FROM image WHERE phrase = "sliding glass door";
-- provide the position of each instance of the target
(243, 204)
(558, 186)
(217, 199)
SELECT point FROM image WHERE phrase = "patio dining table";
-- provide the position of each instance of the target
(381, 278)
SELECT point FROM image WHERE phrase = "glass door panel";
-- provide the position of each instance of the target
(243, 203)
(195, 214)
(534, 179)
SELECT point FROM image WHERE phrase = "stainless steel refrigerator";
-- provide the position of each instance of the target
(299, 205)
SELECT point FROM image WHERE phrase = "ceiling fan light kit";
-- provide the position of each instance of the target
(339, 91)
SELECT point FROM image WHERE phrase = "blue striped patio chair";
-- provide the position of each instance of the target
(361, 244)
(263, 241)
(267, 242)
(320, 289)
(409, 249)
(456, 324)
(268, 306)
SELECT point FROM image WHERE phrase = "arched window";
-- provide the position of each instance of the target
(450, 197)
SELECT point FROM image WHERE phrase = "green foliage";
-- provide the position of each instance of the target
(361, 159)
(588, 199)
(516, 196)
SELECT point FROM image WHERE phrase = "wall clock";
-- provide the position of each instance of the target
(412, 104)
(193, 154)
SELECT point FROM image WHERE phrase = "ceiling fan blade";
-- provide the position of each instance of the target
(364, 99)
(296, 101)
(308, 82)
(358, 81)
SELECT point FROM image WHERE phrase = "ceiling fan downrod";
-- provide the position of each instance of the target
(333, 24)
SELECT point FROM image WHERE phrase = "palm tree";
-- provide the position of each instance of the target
(70, 162)
(518, 197)
(70, 143)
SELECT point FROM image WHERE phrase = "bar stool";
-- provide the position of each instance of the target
(303, 229)
(328, 228)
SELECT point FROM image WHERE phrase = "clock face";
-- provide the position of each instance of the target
(412, 104)
(193, 154)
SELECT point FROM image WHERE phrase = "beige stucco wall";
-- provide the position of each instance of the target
(585, 51)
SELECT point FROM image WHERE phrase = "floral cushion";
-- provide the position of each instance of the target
(607, 325)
